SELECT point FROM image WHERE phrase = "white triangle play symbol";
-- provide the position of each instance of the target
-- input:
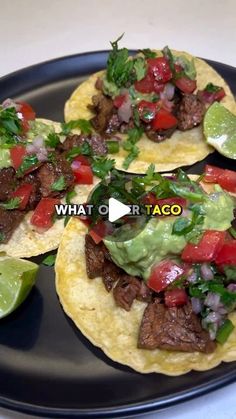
(117, 209)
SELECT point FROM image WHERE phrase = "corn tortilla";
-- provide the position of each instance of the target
(183, 148)
(110, 327)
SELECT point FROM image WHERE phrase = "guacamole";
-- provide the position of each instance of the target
(39, 128)
(156, 241)
(5, 159)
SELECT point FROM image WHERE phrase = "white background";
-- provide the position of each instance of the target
(33, 31)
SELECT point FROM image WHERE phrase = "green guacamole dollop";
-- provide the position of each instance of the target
(156, 241)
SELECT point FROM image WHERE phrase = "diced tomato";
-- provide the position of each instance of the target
(119, 100)
(150, 198)
(147, 110)
(224, 177)
(26, 114)
(23, 192)
(43, 213)
(83, 175)
(219, 95)
(100, 230)
(164, 120)
(146, 85)
(175, 297)
(17, 153)
(207, 249)
(160, 69)
(185, 84)
(227, 254)
(164, 274)
(83, 160)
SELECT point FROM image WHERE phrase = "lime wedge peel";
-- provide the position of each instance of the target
(17, 278)
(220, 129)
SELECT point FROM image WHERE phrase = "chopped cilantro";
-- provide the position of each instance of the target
(84, 125)
(28, 162)
(140, 68)
(49, 260)
(101, 166)
(148, 53)
(2, 237)
(69, 196)
(59, 184)
(129, 145)
(170, 58)
(85, 149)
(188, 66)
(10, 126)
(212, 88)
(52, 140)
(13, 203)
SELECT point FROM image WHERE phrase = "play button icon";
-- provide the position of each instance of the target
(117, 210)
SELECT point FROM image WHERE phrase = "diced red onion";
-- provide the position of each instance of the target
(125, 110)
(212, 300)
(168, 92)
(38, 141)
(196, 305)
(75, 165)
(206, 272)
(213, 317)
(192, 277)
(9, 103)
(31, 149)
(232, 287)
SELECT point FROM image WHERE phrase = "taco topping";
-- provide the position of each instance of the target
(183, 267)
(38, 166)
(157, 94)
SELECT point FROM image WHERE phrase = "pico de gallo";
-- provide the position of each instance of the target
(183, 267)
(150, 93)
(39, 166)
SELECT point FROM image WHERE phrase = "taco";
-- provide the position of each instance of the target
(41, 165)
(164, 300)
(153, 105)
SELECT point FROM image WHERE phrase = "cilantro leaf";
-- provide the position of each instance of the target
(52, 140)
(101, 166)
(59, 184)
(140, 68)
(188, 66)
(10, 126)
(134, 135)
(119, 66)
(170, 58)
(84, 125)
(13, 203)
(2, 237)
(148, 53)
(49, 260)
(85, 149)
(212, 88)
(70, 195)
(27, 163)
(182, 226)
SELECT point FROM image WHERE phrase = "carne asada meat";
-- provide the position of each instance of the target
(96, 142)
(190, 112)
(103, 121)
(111, 274)
(126, 290)
(95, 257)
(159, 135)
(50, 172)
(8, 182)
(175, 328)
(145, 294)
(35, 195)
(9, 221)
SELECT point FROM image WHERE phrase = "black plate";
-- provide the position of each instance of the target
(46, 366)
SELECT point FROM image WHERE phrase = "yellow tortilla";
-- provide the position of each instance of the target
(110, 327)
(183, 148)
(25, 241)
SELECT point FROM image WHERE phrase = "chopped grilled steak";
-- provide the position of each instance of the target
(35, 195)
(99, 83)
(145, 294)
(95, 257)
(9, 221)
(111, 274)
(160, 135)
(126, 290)
(8, 182)
(190, 112)
(97, 143)
(50, 172)
(104, 110)
(175, 328)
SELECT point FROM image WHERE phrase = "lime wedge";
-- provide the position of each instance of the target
(220, 130)
(17, 277)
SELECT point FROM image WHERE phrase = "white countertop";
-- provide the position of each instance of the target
(32, 31)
